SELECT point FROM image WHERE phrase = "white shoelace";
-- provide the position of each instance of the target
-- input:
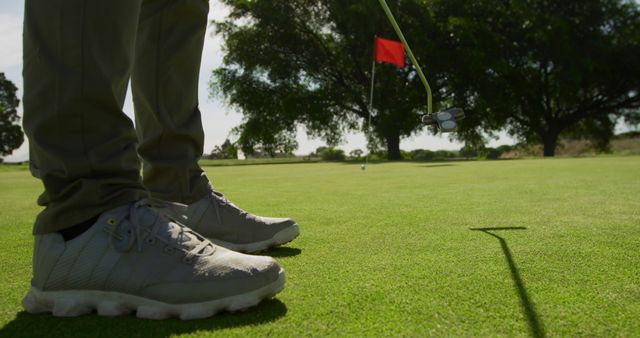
(138, 233)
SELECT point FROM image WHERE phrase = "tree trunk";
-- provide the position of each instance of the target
(550, 143)
(393, 148)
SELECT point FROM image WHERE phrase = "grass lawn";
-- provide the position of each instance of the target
(256, 161)
(393, 251)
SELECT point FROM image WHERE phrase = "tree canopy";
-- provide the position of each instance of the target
(309, 62)
(544, 69)
(225, 151)
(538, 69)
(11, 136)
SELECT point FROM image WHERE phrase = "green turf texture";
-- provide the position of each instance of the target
(390, 251)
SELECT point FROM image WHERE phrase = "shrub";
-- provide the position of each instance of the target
(378, 155)
(332, 154)
(627, 135)
(356, 154)
(505, 148)
(492, 153)
(444, 154)
(468, 152)
(421, 155)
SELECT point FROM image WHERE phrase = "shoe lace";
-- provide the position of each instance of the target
(219, 200)
(186, 240)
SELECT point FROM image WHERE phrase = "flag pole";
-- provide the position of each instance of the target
(373, 79)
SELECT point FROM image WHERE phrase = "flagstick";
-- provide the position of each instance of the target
(373, 79)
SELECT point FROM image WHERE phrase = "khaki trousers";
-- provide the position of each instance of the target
(78, 58)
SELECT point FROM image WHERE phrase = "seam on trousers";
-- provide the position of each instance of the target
(156, 96)
(60, 66)
(83, 114)
(181, 193)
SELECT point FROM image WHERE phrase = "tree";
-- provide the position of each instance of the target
(11, 136)
(318, 151)
(543, 69)
(332, 154)
(229, 149)
(308, 62)
(226, 151)
(356, 153)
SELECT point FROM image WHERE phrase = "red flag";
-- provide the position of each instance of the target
(389, 51)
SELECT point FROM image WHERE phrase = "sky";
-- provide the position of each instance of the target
(218, 118)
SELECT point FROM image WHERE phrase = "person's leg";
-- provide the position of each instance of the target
(131, 259)
(82, 146)
(165, 93)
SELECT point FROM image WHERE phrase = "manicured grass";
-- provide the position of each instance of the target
(256, 161)
(391, 251)
(4, 167)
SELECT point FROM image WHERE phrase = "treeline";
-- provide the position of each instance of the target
(337, 154)
(623, 144)
(541, 71)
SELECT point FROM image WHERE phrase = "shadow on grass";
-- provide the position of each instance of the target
(282, 251)
(233, 163)
(28, 325)
(438, 165)
(427, 164)
(535, 325)
(358, 162)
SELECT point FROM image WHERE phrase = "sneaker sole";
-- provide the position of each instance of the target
(284, 236)
(80, 302)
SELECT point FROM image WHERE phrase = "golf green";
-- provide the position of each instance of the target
(489, 248)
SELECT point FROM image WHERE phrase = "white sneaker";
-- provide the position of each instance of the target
(219, 220)
(135, 260)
